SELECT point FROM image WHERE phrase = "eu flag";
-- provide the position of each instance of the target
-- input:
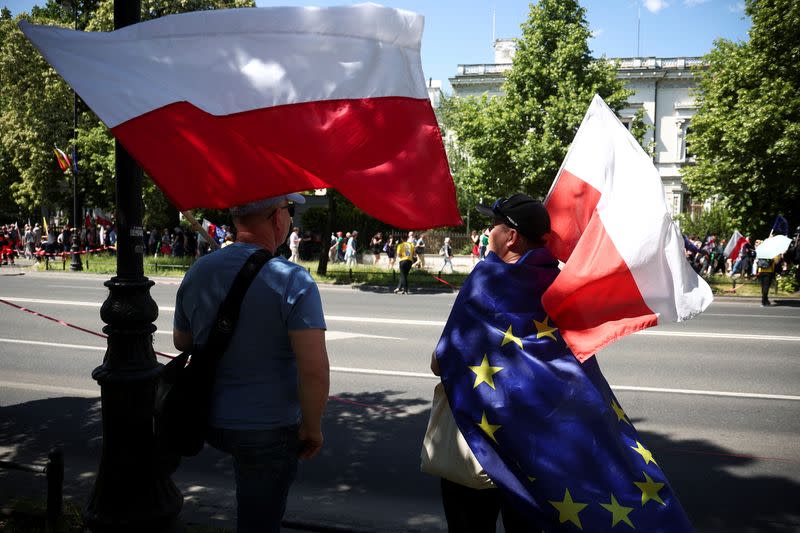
(547, 429)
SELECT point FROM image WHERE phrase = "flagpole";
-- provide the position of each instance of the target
(200, 229)
(75, 263)
(133, 491)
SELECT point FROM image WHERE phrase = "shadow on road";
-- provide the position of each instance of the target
(368, 473)
(786, 303)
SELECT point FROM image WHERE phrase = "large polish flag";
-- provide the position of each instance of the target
(624, 262)
(226, 107)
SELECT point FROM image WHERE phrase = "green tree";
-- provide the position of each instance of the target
(36, 114)
(746, 134)
(716, 221)
(517, 142)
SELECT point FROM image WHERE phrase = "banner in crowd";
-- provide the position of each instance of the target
(225, 107)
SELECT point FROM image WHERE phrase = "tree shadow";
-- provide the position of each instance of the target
(367, 476)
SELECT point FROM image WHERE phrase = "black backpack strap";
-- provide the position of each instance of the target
(228, 313)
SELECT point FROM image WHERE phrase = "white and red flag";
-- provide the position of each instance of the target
(102, 218)
(624, 262)
(230, 106)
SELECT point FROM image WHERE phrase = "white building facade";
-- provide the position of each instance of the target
(662, 87)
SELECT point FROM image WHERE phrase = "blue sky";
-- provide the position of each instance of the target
(460, 31)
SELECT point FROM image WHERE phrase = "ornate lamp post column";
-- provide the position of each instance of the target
(133, 492)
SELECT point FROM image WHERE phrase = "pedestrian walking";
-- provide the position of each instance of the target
(419, 250)
(350, 250)
(405, 255)
(391, 250)
(377, 246)
(294, 245)
(446, 252)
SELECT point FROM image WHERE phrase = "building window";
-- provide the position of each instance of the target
(687, 152)
(683, 148)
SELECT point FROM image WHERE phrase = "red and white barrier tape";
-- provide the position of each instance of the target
(162, 354)
(42, 253)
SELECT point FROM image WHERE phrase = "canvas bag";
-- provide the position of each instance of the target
(445, 452)
(183, 391)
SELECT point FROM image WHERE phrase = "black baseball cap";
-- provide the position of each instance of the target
(521, 212)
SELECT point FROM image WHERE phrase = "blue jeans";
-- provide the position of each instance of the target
(265, 464)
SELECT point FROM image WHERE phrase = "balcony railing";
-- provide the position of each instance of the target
(625, 63)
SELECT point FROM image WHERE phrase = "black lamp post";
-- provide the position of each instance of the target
(133, 491)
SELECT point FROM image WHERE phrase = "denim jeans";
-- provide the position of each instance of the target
(265, 464)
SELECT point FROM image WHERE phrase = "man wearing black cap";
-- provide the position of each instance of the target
(519, 225)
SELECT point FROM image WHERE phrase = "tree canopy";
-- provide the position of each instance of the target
(746, 134)
(36, 115)
(516, 142)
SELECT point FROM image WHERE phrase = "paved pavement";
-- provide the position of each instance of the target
(717, 400)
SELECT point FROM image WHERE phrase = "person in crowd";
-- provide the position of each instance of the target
(271, 385)
(112, 239)
(391, 250)
(28, 238)
(37, 235)
(228, 241)
(333, 251)
(65, 238)
(190, 243)
(766, 275)
(177, 244)
(446, 252)
(483, 244)
(294, 245)
(376, 244)
(405, 257)
(419, 250)
(741, 261)
(166, 243)
(475, 240)
(6, 249)
(350, 249)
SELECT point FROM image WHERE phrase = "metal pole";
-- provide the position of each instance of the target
(75, 260)
(133, 491)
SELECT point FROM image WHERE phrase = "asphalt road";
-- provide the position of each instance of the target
(716, 399)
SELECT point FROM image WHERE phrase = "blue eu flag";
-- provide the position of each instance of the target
(546, 428)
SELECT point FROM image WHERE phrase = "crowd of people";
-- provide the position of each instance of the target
(738, 258)
(712, 256)
(34, 241)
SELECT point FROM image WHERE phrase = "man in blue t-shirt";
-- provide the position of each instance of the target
(272, 382)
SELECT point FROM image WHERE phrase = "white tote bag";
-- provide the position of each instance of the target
(445, 452)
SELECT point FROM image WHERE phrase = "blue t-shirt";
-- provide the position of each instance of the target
(256, 379)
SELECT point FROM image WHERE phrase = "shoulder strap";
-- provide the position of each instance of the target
(228, 313)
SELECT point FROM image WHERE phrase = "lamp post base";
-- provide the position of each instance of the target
(133, 491)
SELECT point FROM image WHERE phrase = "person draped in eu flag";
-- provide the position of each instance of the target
(547, 429)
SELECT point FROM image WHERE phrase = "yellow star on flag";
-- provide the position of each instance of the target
(543, 329)
(488, 428)
(644, 452)
(621, 416)
(649, 489)
(509, 337)
(619, 513)
(568, 510)
(484, 373)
